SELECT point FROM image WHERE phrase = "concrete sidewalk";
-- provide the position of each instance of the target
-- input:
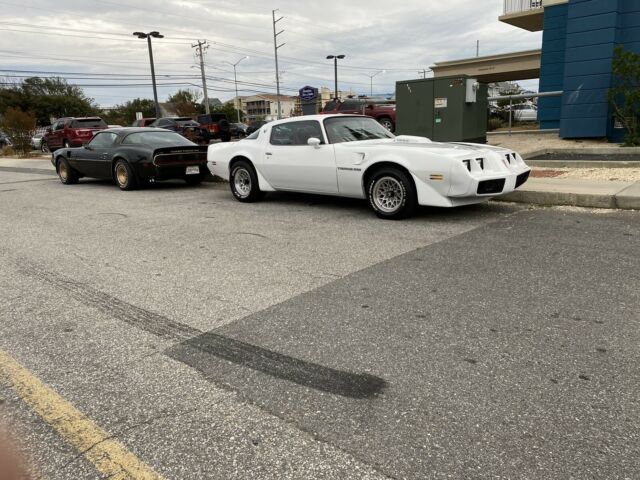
(577, 192)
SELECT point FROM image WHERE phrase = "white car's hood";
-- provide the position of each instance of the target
(410, 142)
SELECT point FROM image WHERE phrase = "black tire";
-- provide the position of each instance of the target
(392, 194)
(44, 148)
(66, 144)
(251, 191)
(387, 123)
(124, 175)
(66, 173)
(193, 180)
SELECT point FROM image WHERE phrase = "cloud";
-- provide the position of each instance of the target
(94, 38)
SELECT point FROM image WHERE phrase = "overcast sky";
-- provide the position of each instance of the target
(91, 42)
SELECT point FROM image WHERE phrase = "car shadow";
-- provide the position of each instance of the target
(362, 206)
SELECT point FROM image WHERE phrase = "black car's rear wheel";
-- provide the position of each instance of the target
(124, 176)
(67, 174)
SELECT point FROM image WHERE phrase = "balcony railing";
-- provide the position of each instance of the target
(517, 6)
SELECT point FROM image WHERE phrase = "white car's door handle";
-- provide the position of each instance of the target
(268, 153)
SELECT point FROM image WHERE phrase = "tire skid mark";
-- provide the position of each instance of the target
(254, 357)
(150, 322)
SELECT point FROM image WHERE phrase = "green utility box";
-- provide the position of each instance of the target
(444, 109)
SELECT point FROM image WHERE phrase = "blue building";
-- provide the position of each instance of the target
(578, 42)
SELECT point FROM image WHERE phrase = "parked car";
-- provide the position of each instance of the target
(385, 114)
(5, 141)
(71, 132)
(523, 112)
(238, 130)
(255, 126)
(354, 156)
(217, 125)
(36, 141)
(132, 157)
(143, 122)
(185, 126)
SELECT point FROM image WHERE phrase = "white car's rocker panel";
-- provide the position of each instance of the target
(351, 156)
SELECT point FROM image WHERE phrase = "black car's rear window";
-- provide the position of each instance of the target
(88, 123)
(167, 138)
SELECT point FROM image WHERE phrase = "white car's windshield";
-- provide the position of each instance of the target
(353, 129)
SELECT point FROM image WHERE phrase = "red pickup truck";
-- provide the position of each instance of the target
(385, 114)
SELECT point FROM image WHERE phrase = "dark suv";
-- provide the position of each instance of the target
(217, 125)
(185, 126)
(385, 114)
(71, 132)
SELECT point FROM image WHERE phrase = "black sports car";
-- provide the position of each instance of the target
(132, 157)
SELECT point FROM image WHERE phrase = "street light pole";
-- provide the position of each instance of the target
(153, 71)
(235, 79)
(371, 78)
(335, 69)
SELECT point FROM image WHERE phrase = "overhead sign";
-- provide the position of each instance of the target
(307, 94)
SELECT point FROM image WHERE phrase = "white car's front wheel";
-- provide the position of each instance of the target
(391, 194)
(244, 182)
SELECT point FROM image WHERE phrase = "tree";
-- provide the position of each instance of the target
(229, 110)
(624, 96)
(47, 98)
(20, 127)
(125, 113)
(186, 102)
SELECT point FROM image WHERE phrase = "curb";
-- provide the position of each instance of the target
(626, 199)
(583, 164)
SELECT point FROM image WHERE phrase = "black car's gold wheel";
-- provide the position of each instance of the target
(124, 176)
(66, 173)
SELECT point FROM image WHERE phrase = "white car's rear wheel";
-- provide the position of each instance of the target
(392, 194)
(244, 182)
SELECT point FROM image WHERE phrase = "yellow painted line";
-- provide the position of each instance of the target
(109, 456)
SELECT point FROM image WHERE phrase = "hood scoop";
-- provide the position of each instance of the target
(410, 139)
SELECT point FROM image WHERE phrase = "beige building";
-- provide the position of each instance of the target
(264, 106)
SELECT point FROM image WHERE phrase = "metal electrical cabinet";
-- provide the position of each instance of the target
(444, 109)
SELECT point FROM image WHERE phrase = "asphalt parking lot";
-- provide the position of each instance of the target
(301, 337)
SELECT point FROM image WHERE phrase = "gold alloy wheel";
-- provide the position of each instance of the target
(62, 171)
(121, 174)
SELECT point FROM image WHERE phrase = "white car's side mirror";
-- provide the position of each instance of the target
(314, 142)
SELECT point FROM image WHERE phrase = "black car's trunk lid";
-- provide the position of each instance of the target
(187, 155)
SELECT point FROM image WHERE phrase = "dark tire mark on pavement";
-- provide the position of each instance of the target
(303, 373)
(213, 345)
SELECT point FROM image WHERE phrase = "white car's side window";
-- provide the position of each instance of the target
(296, 133)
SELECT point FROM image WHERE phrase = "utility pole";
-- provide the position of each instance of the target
(200, 53)
(477, 48)
(423, 73)
(276, 47)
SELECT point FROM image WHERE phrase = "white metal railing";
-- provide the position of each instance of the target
(515, 6)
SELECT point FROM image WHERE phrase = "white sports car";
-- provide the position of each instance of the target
(353, 156)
